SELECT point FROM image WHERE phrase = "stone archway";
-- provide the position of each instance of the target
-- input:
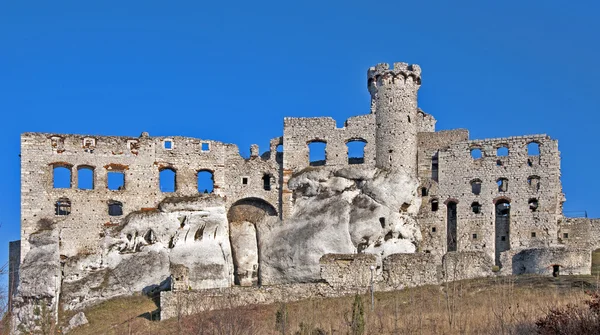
(244, 216)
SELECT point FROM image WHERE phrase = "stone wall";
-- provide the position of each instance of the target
(542, 261)
(408, 270)
(348, 270)
(466, 265)
(579, 233)
(141, 160)
(529, 178)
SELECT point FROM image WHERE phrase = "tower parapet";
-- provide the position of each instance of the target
(394, 103)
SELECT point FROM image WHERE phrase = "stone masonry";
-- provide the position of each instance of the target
(415, 202)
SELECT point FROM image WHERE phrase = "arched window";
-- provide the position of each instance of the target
(317, 153)
(85, 178)
(167, 180)
(61, 176)
(476, 153)
(434, 205)
(502, 228)
(62, 207)
(356, 151)
(424, 191)
(533, 149)
(502, 151)
(502, 184)
(476, 186)
(115, 208)
(206, 181)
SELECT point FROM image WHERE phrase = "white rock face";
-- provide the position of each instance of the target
(346, 211)
(192, 232)
(245, 249)
(39, 284)
(77, 320)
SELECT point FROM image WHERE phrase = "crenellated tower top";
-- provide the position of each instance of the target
(381, 74)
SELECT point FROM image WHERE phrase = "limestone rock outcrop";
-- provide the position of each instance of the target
(345, 211)
(188, 232)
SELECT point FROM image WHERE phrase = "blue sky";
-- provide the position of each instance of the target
(231, 70)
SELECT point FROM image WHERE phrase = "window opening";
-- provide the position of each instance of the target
(565, 235)
(266, 182)
(85, 178)
(206, 181)
(502, 151)
(435, 166)
(476, 153)
(555, 270)
(533, 234)
(167, 178)
(317, 154)
(502, 184)
(434, 205)
(533, 205)
(502, 228)
(244, 180)
(424, 191)
(451, 226)
(533, 149)
(476, 207)
(534, 183)
(356, 151)
(474, 236)
(61, 177)
(115, 208)
(168, 144)
(116, 180)
(476, 186)
(62, 206)
(205, 146)
(433, 229)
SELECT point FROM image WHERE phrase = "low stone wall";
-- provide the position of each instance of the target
(466, 265)
(570, 261)
(182, 303)
(409, 270)
(347, 270)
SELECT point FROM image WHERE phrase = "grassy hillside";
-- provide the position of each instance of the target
(508, 305)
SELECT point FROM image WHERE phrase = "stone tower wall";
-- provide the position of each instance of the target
(394, 99)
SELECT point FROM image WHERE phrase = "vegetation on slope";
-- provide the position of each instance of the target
(503, 305)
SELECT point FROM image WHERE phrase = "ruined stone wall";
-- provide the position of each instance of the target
(408, 270)
(348, 270)
(432, 224)
(579, 233)
(299, 132)
(141, 160)
(476, 231)
(570, 261)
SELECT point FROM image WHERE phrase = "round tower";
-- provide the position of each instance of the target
(394, 102)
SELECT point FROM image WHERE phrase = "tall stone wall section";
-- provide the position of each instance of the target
(476, 231)
(141, 160)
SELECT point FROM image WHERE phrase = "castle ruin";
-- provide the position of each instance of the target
(414, 203)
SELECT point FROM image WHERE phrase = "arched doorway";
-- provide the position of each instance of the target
(244, 217)
(502, 225)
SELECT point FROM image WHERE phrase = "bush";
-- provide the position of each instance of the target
(573, 320)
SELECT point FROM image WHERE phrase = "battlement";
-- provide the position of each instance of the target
(382, 74)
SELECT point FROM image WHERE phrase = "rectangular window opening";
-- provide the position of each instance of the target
(116, 180)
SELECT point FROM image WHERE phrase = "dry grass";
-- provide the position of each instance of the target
(505, 305)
